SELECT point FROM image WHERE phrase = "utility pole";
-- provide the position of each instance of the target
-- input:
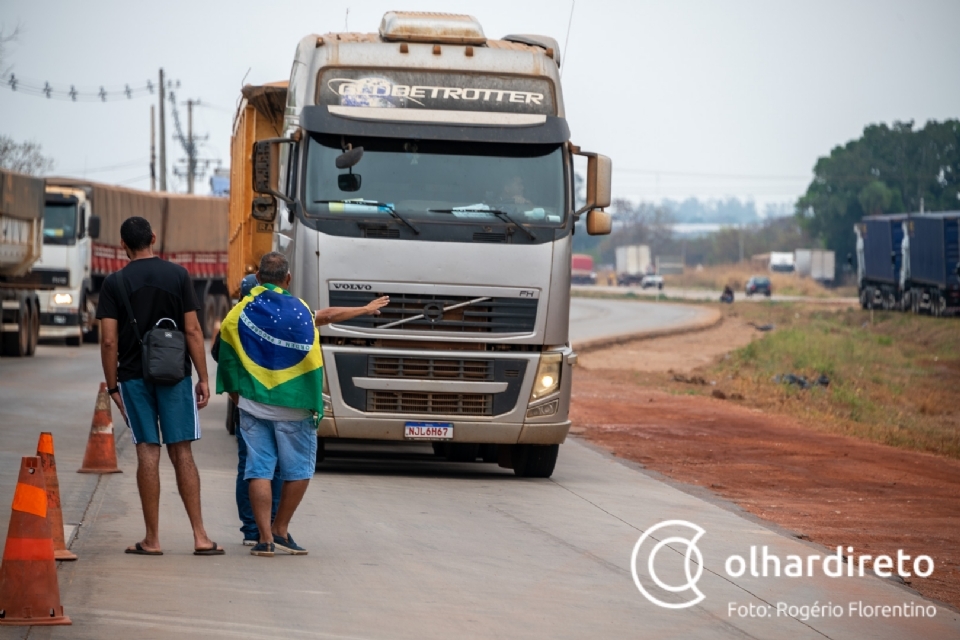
(163, 137)
(153, 149)
(191, 151)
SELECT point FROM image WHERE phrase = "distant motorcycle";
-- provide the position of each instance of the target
(727, 295)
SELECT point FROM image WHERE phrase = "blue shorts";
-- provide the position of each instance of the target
(291, 444)
(173, 407)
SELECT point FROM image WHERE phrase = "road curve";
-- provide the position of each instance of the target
(592, 318)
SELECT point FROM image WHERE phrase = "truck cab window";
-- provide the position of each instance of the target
(60, 223)
(438, 181)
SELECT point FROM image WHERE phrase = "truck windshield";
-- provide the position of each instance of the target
(417, 176)
(60, 223)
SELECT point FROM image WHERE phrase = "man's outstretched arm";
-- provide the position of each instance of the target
(332, 315)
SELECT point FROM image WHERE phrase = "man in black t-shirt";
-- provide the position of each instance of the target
(156, 290)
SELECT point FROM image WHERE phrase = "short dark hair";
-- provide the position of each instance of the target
(136, 233)
(273, 268)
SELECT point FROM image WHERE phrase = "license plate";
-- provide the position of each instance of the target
(428, 431)
(60, 319)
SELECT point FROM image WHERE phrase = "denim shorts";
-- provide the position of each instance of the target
(292, 445)
(154, 410)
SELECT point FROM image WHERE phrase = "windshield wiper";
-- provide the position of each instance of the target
(373, 203)
(503, 215)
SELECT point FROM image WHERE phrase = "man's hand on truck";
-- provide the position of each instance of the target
(333, 315)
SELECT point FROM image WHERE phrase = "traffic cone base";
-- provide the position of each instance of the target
(101, 454)
(54, 514)
(29, 593)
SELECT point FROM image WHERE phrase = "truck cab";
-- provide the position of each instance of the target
(434, 165)
(69, 228)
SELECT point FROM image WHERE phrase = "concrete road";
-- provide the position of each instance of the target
(404, 546)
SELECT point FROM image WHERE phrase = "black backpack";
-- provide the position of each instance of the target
(163, 350)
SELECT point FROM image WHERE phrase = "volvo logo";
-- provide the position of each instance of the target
(352, 286)
(433, 311)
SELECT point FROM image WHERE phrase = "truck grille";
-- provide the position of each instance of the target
(429, 368)
(423, 312)
(464, 404)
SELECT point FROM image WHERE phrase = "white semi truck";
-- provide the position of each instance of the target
(432, 164)
(191, 230)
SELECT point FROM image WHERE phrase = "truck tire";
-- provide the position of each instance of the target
(321, 453)
(535, 460)
(34, 327)
(462, 451)
(18, 344)
(223, 307)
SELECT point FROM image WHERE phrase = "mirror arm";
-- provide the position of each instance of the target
(582, 210)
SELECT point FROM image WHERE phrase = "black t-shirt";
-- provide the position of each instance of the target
(157, 289)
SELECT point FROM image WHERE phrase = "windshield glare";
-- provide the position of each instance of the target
(60, 223)
(414, 176)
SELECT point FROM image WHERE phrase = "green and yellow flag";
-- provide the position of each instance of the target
(270, 351)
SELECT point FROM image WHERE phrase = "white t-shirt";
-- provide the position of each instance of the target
(273, 412)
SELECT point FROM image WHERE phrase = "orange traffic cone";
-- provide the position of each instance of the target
(101, 454)
(29, 593)
(54, 513)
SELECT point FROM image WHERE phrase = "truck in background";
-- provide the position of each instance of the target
(581, 269)
(930, 273)
(781, 261)
(633, 262)
(82, 240)
(431, 164)
(816, 264)
(21, 242)
(879, 261)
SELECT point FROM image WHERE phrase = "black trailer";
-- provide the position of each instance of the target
(930, 271)
(880, 258)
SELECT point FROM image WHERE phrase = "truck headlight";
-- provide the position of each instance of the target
(548, 376)
(62, 298)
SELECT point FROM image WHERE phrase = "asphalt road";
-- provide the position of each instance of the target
(705, 295)
(405, 546)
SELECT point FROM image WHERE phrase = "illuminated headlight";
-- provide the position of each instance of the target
(62, 298)
(548, 376)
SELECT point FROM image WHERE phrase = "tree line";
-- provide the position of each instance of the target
(889, 169)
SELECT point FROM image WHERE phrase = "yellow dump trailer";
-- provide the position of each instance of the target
(252, 216)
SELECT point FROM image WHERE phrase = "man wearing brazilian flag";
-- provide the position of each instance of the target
(270, 364)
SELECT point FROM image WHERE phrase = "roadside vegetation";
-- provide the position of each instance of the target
(892, 381)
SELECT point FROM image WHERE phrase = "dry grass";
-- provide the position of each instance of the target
(894, 381)
(736, 275)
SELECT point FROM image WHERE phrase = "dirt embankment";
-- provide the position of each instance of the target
(829, 488)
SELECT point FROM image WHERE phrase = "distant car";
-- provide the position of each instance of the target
(758, 285)
(651, 281)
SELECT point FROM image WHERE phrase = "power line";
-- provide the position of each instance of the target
(122, 165)
(75, 94)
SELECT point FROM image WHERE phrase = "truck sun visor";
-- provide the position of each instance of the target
(434, 125)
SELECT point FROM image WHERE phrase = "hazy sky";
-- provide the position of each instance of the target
(706, 99)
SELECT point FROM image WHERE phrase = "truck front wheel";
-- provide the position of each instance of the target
(534, 460)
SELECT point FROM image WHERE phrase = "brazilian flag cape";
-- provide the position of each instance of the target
(270, 351)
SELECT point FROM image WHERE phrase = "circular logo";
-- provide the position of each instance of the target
(433, 311)
(276, 331)
(691, 555)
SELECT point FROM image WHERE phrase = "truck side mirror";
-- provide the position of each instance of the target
(93, 227)
(266, 167)
(599, 173)
(598, 223)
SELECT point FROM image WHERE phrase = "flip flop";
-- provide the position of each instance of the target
(140, 551)
(215, 550)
